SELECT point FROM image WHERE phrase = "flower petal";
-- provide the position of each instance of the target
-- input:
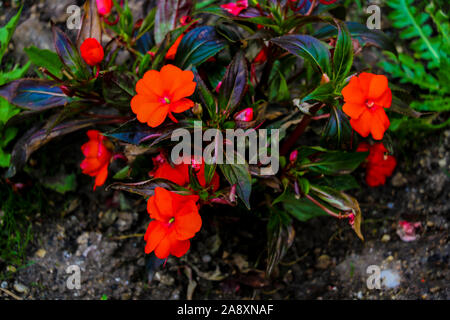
(162, 251)
(353, 92)
(187, 221)
(380, 123)
(378, 86)
(362, 124)
(181, 105)
(385, 100)
(179, 248)
(158, 115)
(353, 110)
(155, 233)
(101, 177)
(151, 83)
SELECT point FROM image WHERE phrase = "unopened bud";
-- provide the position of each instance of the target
(197, 109)
(293, 156)
(244, 115)
(325, 79)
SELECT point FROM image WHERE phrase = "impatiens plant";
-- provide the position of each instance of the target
(280, 72)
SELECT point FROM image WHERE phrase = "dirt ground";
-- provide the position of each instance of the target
(101, 233)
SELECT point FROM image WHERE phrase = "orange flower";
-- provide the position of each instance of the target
(161, 93)
(176, 220)
(170, 55)
(365, 98)
(179, 174)
(92, 51)
(97, 157)
(379, 165)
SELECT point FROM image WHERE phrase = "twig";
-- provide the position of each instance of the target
(127, 236)
(9, 293)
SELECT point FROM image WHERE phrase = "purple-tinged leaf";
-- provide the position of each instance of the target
(234, 84)
(67, 51)
(38, 136)
(90, 25)
(167, 16)
(144, 188)
(34, 94)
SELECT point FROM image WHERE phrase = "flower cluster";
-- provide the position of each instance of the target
(379, 164)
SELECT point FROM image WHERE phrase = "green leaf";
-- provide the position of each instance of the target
(7, 31)
(406, 16)
(61, 183)
(337, 133)
(334, 162)
(308, 48)
(343, 54)
(341, 183)
(46, 59)
(302, 209)
(323, 93)
(239, 175)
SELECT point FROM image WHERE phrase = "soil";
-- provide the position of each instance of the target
(101, 232)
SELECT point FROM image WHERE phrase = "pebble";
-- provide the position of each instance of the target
(4, 285)
(20, 288)
(385, 238)
(41, 253)
(323, 262)
(399, 180)
(206, 258)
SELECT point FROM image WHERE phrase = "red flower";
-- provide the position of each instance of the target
(97, 157)
(176, 220)
(235, 8)
(179, 173)
(104, 7)
(161, 93)
(379, 165)
(92, 51)
(365, 98)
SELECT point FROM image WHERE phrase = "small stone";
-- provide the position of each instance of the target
(430, 224)
(385, 238)
(435, 289)
(206, 258)
(399, 180)
(323, 262)
(41, 253)
(4, 285)
(390, 258)
(20, 288)
(442, 163)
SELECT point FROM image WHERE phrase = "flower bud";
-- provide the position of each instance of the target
(244, 115)
(197, 109)
(92, 51)
(293, 156)
(104, 7)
